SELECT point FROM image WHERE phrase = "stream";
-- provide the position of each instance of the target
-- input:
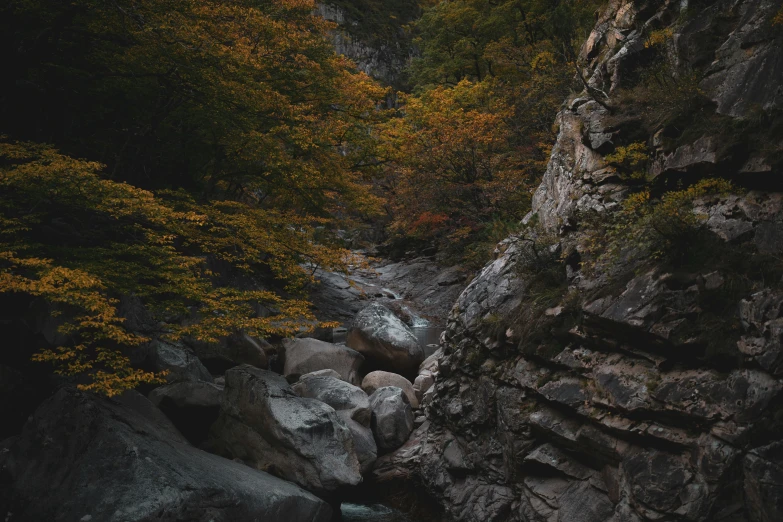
(372, 513)
(412, 291)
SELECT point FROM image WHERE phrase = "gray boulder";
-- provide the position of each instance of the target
(385, 340)
(191, 406)
(380, 379)
(353, 408)
(302, 356)
(338, 394)
(81, 457)
(174, 358)
(264, 423)
(392, 417)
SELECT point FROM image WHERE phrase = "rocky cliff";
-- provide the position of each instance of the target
(371, 34)
(642, 384)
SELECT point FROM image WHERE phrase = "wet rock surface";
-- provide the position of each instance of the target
(85, 458)
(386, 342)
(419, 284)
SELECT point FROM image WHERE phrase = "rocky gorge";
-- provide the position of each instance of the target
(568, 384)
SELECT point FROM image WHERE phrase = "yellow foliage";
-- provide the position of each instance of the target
(118, 240)
(778, 20)
(453, 163)
(259, 132)
(631, 159)
(652, 228)
(659, 37)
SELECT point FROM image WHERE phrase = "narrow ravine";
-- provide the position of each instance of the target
(420, 294)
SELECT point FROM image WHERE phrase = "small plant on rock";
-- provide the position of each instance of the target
(631, 160)
(648, 228)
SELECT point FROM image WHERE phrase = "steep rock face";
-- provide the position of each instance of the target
(370, 33)
(648, 390)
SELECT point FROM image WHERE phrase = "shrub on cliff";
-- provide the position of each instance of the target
(648, 228)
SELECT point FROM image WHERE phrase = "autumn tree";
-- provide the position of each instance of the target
(470, 143)
(220, 138)
(454, 165)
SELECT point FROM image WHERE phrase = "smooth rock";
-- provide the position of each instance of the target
(352, 406)
(321, 373)
(379, 379)
(340, 395)
(265, 424)
(176, 359)
(81, 457)
(423, 382)
(302, 356)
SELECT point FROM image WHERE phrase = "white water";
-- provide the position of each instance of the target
(416, 320)
(391, 294)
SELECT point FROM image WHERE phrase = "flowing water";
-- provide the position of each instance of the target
(429, 337)
(372, 513)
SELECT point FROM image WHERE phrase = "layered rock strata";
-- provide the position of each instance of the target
(642, 389)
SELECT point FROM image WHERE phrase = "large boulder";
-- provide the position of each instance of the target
(340, 395)
(392, 417)
(191, 406)
(380, 379)
(82, 458)
(352, 406)
(321, 373)
(385, 340)
(264, 423)
(302, 356)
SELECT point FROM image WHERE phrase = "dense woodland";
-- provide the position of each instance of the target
(161, 150)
